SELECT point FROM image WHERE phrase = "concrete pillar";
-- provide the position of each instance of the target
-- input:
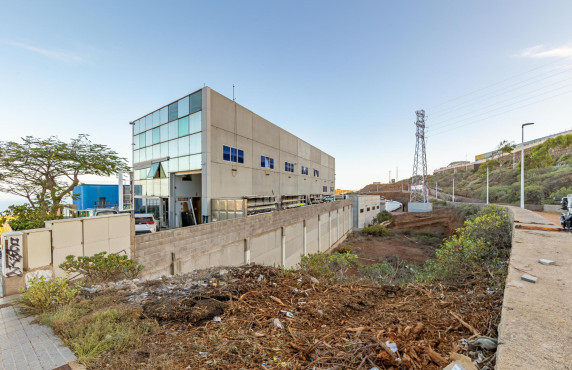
(329, 229)
(283, 246)
(304, 249)
(247, 251)
(337, 224)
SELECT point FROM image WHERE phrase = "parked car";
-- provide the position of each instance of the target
(145, 223)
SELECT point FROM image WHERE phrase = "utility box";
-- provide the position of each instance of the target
(419, 207)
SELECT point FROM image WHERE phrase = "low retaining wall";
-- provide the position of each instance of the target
(277, 238)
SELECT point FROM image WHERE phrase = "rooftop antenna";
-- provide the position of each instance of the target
(233, 99)
(419, 190)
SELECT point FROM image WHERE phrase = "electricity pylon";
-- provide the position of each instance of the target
(419, 191)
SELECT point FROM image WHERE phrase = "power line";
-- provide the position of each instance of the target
(497, 83)
(497, 114)
(515, 86)
(441, 125)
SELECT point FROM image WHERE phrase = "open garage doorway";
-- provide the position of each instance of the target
(185, 199)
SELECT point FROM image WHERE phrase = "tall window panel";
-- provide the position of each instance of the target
(173, 111)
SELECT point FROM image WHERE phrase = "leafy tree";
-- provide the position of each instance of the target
(505, 147)
(26, 217)
(44, 171)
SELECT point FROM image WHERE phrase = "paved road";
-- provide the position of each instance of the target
(536, 323)
(24, 345)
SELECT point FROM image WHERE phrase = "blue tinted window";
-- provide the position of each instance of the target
(262, 161)
(233, 155)
(164, 115)
(226, 153)
(156, 135)
(195, 102)
(156, 119)
(184, 126)
(240, 156)
(272, 163)
(195, 122)
(183, 107)
(173, 111)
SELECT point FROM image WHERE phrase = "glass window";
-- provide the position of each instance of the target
(173, 111)
(136, 156)
(136, 128)
(164, 132)
(174, 164)
(225, 153)
(233, 155)
(173, 148)
(263, 160)
(149, 122)
(196, 102)
(149, 153)
(164, 187)
(143, 173)
(164, 115)
(156, 118)
(156, 151)
(195, 122)
(272, 163)
(136, 142)
(195, 162)
(142, 140)
(142, 156)
(195, 143)
(184, 163)
(148, 138)
(153, 170)
(156, 135)
(240, 156)
(164, 149)
(184, 126)
(137, 190)
(173, 129)
(183, 145)
(183, 107)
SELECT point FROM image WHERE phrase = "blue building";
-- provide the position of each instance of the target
(93, 195)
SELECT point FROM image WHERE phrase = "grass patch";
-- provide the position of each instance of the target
(91, 328)
(377, 230)
(430, 238)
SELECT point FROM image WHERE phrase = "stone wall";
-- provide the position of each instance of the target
(277, 238)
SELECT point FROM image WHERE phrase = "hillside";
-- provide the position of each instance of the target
(548, 174)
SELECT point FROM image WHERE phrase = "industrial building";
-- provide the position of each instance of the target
(87, 196)
(365, 209)
(204, 158)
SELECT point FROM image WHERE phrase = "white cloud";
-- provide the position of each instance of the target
(539, 51)
(64, 56)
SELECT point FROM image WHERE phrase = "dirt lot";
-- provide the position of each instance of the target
(264, 317)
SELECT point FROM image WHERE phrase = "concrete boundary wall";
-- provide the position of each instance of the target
(41, 251)
(277, 238)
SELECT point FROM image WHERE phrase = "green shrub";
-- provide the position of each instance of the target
(344, 249)
(27, 217)
(102, 268)
(382, 217)
(377, 230)
(328, 266)
(386, 272)
(483, 241)
(46, 294)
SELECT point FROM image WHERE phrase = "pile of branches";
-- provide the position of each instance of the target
(264, 317)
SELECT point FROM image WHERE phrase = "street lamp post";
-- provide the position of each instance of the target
(522, 166)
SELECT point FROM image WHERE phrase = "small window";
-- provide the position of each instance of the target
(156, 171)
(226, 153)
(361, 210)
(240, 156)
(325, 189)
(316, 173)
(304, 170)
(233, 155)
(173, 111)
(266, 162)
(288, 167)
(195, 102)
(368, 209)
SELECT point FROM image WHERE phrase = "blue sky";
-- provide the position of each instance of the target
(345, 76)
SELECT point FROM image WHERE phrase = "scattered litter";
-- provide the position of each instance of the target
(529, 278)
(288, 314)
(260, 278)
(392, 346)
(217, 319)
(487, 343)
(278, 324)
(323, 326)
(490, 291)
(374, 368)
(546, 262)
(299, 280)
(203, 354)
(442, 296)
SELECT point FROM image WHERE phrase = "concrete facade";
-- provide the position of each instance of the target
(277, 238)
(211, 172)
(365, 208)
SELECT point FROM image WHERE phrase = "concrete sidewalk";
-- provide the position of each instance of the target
(24, 345)
(536, 325)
